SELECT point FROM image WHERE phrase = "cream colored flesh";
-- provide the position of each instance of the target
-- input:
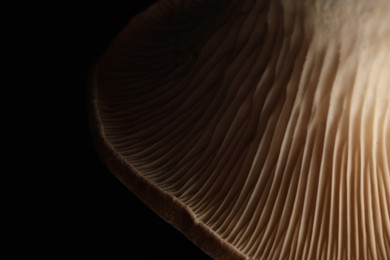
(268, 121)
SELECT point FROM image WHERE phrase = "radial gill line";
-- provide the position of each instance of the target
(268, 121)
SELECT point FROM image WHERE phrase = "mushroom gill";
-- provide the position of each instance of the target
(258, 128)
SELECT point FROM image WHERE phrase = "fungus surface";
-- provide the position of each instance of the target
(260, 129)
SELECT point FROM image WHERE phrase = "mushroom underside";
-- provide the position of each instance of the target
(260, 129)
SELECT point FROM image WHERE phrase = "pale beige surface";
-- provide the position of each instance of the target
(260, 129)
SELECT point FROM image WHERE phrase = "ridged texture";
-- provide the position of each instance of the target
(269, 120)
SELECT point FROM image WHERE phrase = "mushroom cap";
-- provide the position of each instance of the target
(259, 129)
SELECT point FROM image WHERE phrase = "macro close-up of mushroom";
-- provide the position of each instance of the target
(259, 129)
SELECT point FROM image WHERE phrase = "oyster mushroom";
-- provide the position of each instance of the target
(259, 129)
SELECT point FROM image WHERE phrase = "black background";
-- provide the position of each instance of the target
(87, 212)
